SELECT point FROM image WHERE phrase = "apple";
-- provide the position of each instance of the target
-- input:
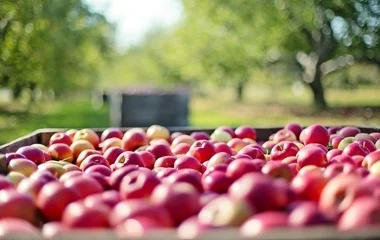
(110, 142)
(223, 147)
(284, 135)
(375, 168)
(11, 228)
(165, 161)
(366, 136)
(219, 158)
(222, 167)
(377, 144)
(24, 166)
(32, 153)
(249, 141)
(32, 186)
(333, 129)
(345, 142)
(375, 135)
(307, 214)
(110, 198)
(112, 153)
(216, 181)
(40, 146)
(139, 208)
(180, 149)
(295, 128)
(207, 197)
(236, 143)
(15, 178)
(253, 188)
(71, 133)
(220, 136)
(117, 176)
(338, 168)
(323, 148)
(240, 167)
(157, 132)
(227, 129)
(138, 184)
(78, 215)
(60, 137)
(191, 228)
(134, 139)
(277, 169)
(199, 135)
(100, 168)
(5, 183)
(367, 144)
(253, 152)
(13, 155)
(315, 134)
(289, 160)
(128, 158)
(355, 148)
(53, 166)
(71, 167)
(69, 175)
(245, 131)
(371, 158)
(174, 135)
(263, 222)
(293, 169)
(93, 160)
(190, 176)
(363, 172)
(183, 139)
(203, 150)
(14, 204)
(51, 230)
(335, 141)
(332, 153)
(137, 227)
(89, 135)
(342, 159)
(283, 149)
(348, 131)
(310, 169)
(78, 146)
(268, 145)
(53, 198)
(309, 186)
(311, 156)
(45, 175)
(187, 162)
(360, 215)
(111, 133)
(60, 151)
(163, 172)
(160, 150)
(84, 185)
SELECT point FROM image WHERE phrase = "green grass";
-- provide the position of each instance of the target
(262, 107)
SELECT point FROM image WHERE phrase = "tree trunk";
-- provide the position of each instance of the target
(318, 90)
(240, 91)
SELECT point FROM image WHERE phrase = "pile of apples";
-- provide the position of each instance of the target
(140, 181)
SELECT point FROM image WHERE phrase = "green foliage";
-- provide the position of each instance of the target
(51, 44)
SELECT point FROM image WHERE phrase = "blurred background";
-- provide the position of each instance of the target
(263, 63)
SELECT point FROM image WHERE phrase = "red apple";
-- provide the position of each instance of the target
(112, 153)
(99, 168)
(245, 132)
(311, 156)
(307, 214)
(263, 222)
(283, 149)
(32, 153)
(332, 153)
(14, 204)
(69, 175)
(338, 168)
(117, 176)
(60, 137)
(71, 133)
(5, 183)
(165, 161)
(222, 167)
(367, 144)
(11, 227)
(335, 141)
(236, 143)
(309, 186)
(24, 166)
(78, 146)
(342, 159)
(183, 139)
(348, 131)
(61, 151)
(187, 162)
(111, 133)
(365, 136)
(355, 148)
(110, 142)
(157, 132)
(315, 134)
(277, 169)
(165, 172)
(53, 199)
(160, 150)
(333, 129)
(240, 167)
(219, 158)
(289, 160)
(181, 200)
(295, 128)
(284, 135)
(222, 147)
(32, 186)
(217, 181)
(128, 158)
(110, 198)
(323, 148)
(93, 160)
(71, 167)
(200, 135)
(78, 215)
(190, 176)
(88, 135)
(84, 185)
(134, 139)
(375, 135)
(203, 150)
(371, 158)
(253, 152)
(138, 184)
(181, 148)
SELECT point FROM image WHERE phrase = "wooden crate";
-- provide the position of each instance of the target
(317, 233)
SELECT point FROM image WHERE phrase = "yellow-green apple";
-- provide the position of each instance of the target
(187, 162)
(134, 139)
(220, 136)
(307, 214)
(15, 178)
(88, 135)
(14, 204)
(348, 131)
(361, 214)
(160, 150)
(277, 169)
(246, 132)
(268, 145)
(71, 167)
(345, 142)
(52, 166)
(311, 156)
(181, 200)
(78, 146)
(78, 215)
(32, 153)
(157, 131)
(225, 212)
(240, 167)
(284, 135)
(236, 143)
(13, 227)
(23, 166)
(295, 128)
(61, 151)
(315, 134)
(227, 129)
(60, 137)
(283, 149)
(138, 184)
(216, 181)
(111, 133)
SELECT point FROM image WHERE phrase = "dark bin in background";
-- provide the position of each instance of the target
(145, 108)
